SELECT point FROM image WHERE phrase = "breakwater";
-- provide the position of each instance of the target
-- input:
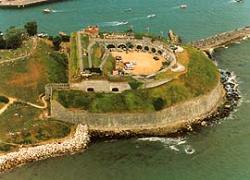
(72, 144)
(222, 39)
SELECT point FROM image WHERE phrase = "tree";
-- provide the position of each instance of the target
(158, 104)
(31, 28)
(2, 41)
(57, 40)
(14, 37)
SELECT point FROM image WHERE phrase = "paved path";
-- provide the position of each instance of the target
(11, 101)
(90, 51)
(79, 50)
(104, 59)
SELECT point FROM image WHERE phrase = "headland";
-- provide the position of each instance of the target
(117, 84)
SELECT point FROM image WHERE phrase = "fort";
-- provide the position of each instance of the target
(116, 84)
(94, 50)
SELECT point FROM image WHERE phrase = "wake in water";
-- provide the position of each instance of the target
(175, 144)
(113, 23)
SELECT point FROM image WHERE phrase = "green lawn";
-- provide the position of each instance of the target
(85, 41)
(109, 66)
(26, 79)
(201, 77)
(6, 54)
(96, 55)
(73, 60)
(20, 124)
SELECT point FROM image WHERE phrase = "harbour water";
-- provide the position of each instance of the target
(219, 151)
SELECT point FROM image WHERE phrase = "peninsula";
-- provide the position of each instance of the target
(66, 89)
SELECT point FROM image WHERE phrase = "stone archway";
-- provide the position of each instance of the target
(139, 47)
(146, 48)
(153, 50)
(110, 46)
(159, 52)
(115, 89)
(122, 46)
(90, 89)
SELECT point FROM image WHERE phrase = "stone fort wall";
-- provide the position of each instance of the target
(182, 113)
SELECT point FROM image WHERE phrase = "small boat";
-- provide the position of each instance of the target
(238, 1)
(128, 10)
(183, 6)
(151, 16)
(47, 10)
(124, 23)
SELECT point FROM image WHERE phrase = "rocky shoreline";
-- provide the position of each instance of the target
(70, 145)
(231, 100)
(232, 97)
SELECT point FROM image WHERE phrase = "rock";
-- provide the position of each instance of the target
(174, 39)
(204, 123)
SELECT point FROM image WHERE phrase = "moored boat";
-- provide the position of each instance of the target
(183, 6)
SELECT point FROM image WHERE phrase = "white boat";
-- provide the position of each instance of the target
(47, 10)
(183, 6)
(128, 10)
(151, 16)
(122, 23)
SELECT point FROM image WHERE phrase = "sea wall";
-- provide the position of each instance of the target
(74, 143)
(222, 39)
(171, 119)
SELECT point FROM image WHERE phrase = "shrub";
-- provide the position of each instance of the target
(134, 84)
(158, 103)
(4, 99)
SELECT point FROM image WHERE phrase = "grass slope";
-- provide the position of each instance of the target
(21, 124)
(26, 79)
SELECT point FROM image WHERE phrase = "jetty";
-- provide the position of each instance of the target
(22, 3)
(222, 39)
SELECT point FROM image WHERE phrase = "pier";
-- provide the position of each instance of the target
(222, 39)
(22, 3)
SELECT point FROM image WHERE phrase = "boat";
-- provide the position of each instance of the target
(124, 22)
(238, 1)
(151, 16)
(183, 6)
(47, 10)
(128, 10)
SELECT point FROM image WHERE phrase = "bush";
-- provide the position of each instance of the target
(31, 28)
(158, 103)
(134, 84)
(57, 42)
(4, 99)
(14, 38)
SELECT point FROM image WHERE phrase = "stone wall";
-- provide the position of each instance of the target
(183, 113)
(222, 39)
(100, 86)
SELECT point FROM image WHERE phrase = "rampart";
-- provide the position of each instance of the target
(169, 119)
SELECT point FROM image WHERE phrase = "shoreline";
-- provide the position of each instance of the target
(26, 3)
(78, 141)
